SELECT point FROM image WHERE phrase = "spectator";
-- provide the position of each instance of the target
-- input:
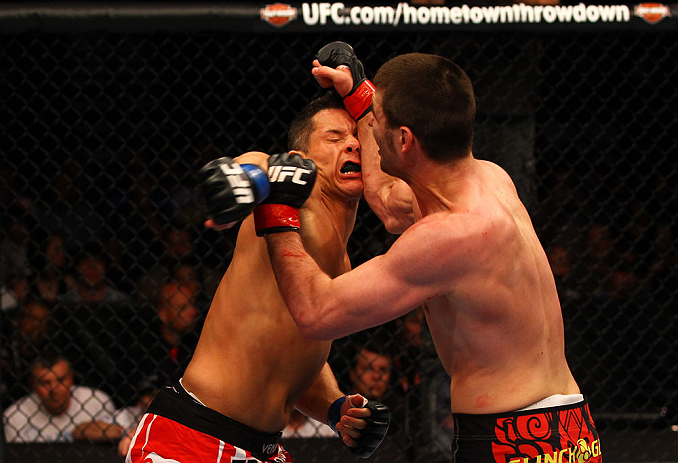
(32, 331)
(48, 260)
(178, 254)
(14, 249)
(568, 283)
(91, 285)
(411, 334)
(56, 406)
(176, 328)
(370, 373)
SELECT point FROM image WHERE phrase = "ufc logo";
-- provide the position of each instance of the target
(280, 173)
(240, 183)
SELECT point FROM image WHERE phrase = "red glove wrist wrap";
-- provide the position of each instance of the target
(275, 216)
(359, 102)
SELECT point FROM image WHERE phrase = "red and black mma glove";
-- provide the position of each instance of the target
(358, 102)
(231, 191)
(291, 180)
(375, 431)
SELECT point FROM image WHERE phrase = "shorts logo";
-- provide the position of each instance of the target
(652, 13)
(268, 449)
(278, 14)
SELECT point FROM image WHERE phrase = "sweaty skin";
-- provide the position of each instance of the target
(252, 363)
(471, 258)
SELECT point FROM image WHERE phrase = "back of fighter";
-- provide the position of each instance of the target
(252, 366)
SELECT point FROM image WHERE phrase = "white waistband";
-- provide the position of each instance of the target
(190, 393)
(555, 400)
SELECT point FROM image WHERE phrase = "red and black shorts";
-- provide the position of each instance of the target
(562, 434)
(176, 428)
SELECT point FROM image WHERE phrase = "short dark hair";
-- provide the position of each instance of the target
(298, 136)
(434, 98)
(48, 358)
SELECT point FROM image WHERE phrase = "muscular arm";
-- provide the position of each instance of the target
(373, 293)
(389, 197)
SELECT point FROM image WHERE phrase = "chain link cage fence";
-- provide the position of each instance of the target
(104, 130)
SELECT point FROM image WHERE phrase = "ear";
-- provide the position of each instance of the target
(407, 139)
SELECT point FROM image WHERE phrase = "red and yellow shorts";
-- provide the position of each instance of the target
(176, 429)
(564, 434)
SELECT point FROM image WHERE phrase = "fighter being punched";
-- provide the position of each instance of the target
(252, 366)
(468, 254)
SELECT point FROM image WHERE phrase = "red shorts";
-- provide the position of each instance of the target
(558, 434)
(178, 429)
(161, 440)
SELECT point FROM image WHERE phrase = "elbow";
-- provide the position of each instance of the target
(315, 331)
(394, 226)
(314, 325)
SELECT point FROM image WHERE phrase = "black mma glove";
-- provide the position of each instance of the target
(358, 102)
(230, 190)
(291, 180)
(374, 432)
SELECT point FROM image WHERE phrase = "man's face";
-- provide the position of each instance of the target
(34, 325)
(177, 309)
(53, 386)
(92, 271)
(371, 374)
(383, 136)
(334, 147)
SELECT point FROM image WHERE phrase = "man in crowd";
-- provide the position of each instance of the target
(56, 406)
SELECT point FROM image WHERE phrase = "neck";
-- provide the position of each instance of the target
(340, 212)
(439, 187)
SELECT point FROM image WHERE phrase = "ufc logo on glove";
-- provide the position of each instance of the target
(280, 173)
(240, 183)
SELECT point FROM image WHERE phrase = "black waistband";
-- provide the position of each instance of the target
(175, 403)
(470, 425)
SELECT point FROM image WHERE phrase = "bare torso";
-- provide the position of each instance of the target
(251, 362)
(498, 326)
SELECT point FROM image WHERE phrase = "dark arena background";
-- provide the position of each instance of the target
(108, 112)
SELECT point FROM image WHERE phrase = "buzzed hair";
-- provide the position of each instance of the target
(434, 98)
(299, 134)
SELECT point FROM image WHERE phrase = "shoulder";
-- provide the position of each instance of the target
(448, 230)
(12, 409)
(446, 243)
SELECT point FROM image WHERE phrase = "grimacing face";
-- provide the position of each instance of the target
(334, 147)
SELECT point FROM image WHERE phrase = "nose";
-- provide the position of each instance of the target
(353, 145)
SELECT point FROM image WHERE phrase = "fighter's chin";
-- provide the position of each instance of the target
(352, 183)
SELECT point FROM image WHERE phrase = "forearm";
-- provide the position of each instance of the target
(317, 399)
(301, 282)
(389, 197)
(97, 431)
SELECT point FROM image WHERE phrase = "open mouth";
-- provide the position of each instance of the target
(350, 168)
